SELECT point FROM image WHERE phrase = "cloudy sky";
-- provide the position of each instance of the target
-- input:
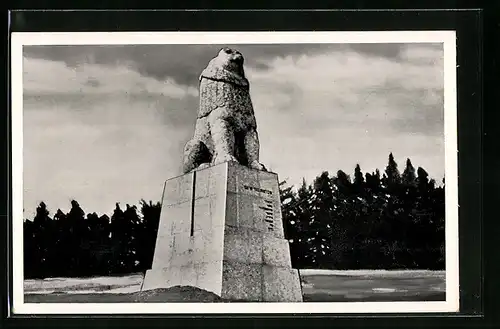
(106, 124)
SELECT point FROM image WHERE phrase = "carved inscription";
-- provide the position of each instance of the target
(268, 209)
(257, 189)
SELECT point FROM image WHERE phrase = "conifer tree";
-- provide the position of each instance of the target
(288, 198)
(42, 215)
(42, 241)
(290, 210)
(359, 180)
(422, 180)
(409, 178)
(322, 220)
(47, 241)
(392, 174)
(342, 182)
(78, 246)
(130, 245)
(147, 235)
(64, 244)
(31, 257)
(118, 236)
(105, 247)
(344, 219)
(92, 243)
(373, 182)
(302, 209)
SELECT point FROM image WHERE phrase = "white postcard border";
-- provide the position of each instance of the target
(18, 40)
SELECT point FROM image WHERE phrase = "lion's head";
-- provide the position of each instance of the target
(226, 66)
(231, 60)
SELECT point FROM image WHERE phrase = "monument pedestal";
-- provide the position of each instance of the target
(221, 230)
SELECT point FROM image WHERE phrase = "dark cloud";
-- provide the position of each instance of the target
(183, 63)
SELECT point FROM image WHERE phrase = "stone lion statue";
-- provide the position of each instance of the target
(225, 129)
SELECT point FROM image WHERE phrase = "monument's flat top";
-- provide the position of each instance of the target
(228, 163)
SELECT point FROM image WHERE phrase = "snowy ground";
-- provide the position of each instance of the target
(317, 285)
(369, 285)
(105, 284)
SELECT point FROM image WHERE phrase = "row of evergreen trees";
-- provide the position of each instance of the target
(370, 222)
(73, 244)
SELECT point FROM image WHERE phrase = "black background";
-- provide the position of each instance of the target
(478, 138)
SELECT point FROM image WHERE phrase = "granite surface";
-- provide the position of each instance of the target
(227, 238)
(226, 128)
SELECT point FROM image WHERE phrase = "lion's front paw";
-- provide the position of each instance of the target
(257, 165)
(203, 166)
(224, 158)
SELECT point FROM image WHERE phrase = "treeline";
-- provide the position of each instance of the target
(368, 222)
(75, 244)
(393, 221)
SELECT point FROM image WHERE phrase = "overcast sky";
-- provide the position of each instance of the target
(106, 124)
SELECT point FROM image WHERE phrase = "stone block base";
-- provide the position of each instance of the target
(232, 280)
(221, 231)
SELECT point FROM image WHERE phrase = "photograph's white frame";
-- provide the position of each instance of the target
(451, 304)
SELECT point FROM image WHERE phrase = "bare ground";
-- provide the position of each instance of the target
(317, 286)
